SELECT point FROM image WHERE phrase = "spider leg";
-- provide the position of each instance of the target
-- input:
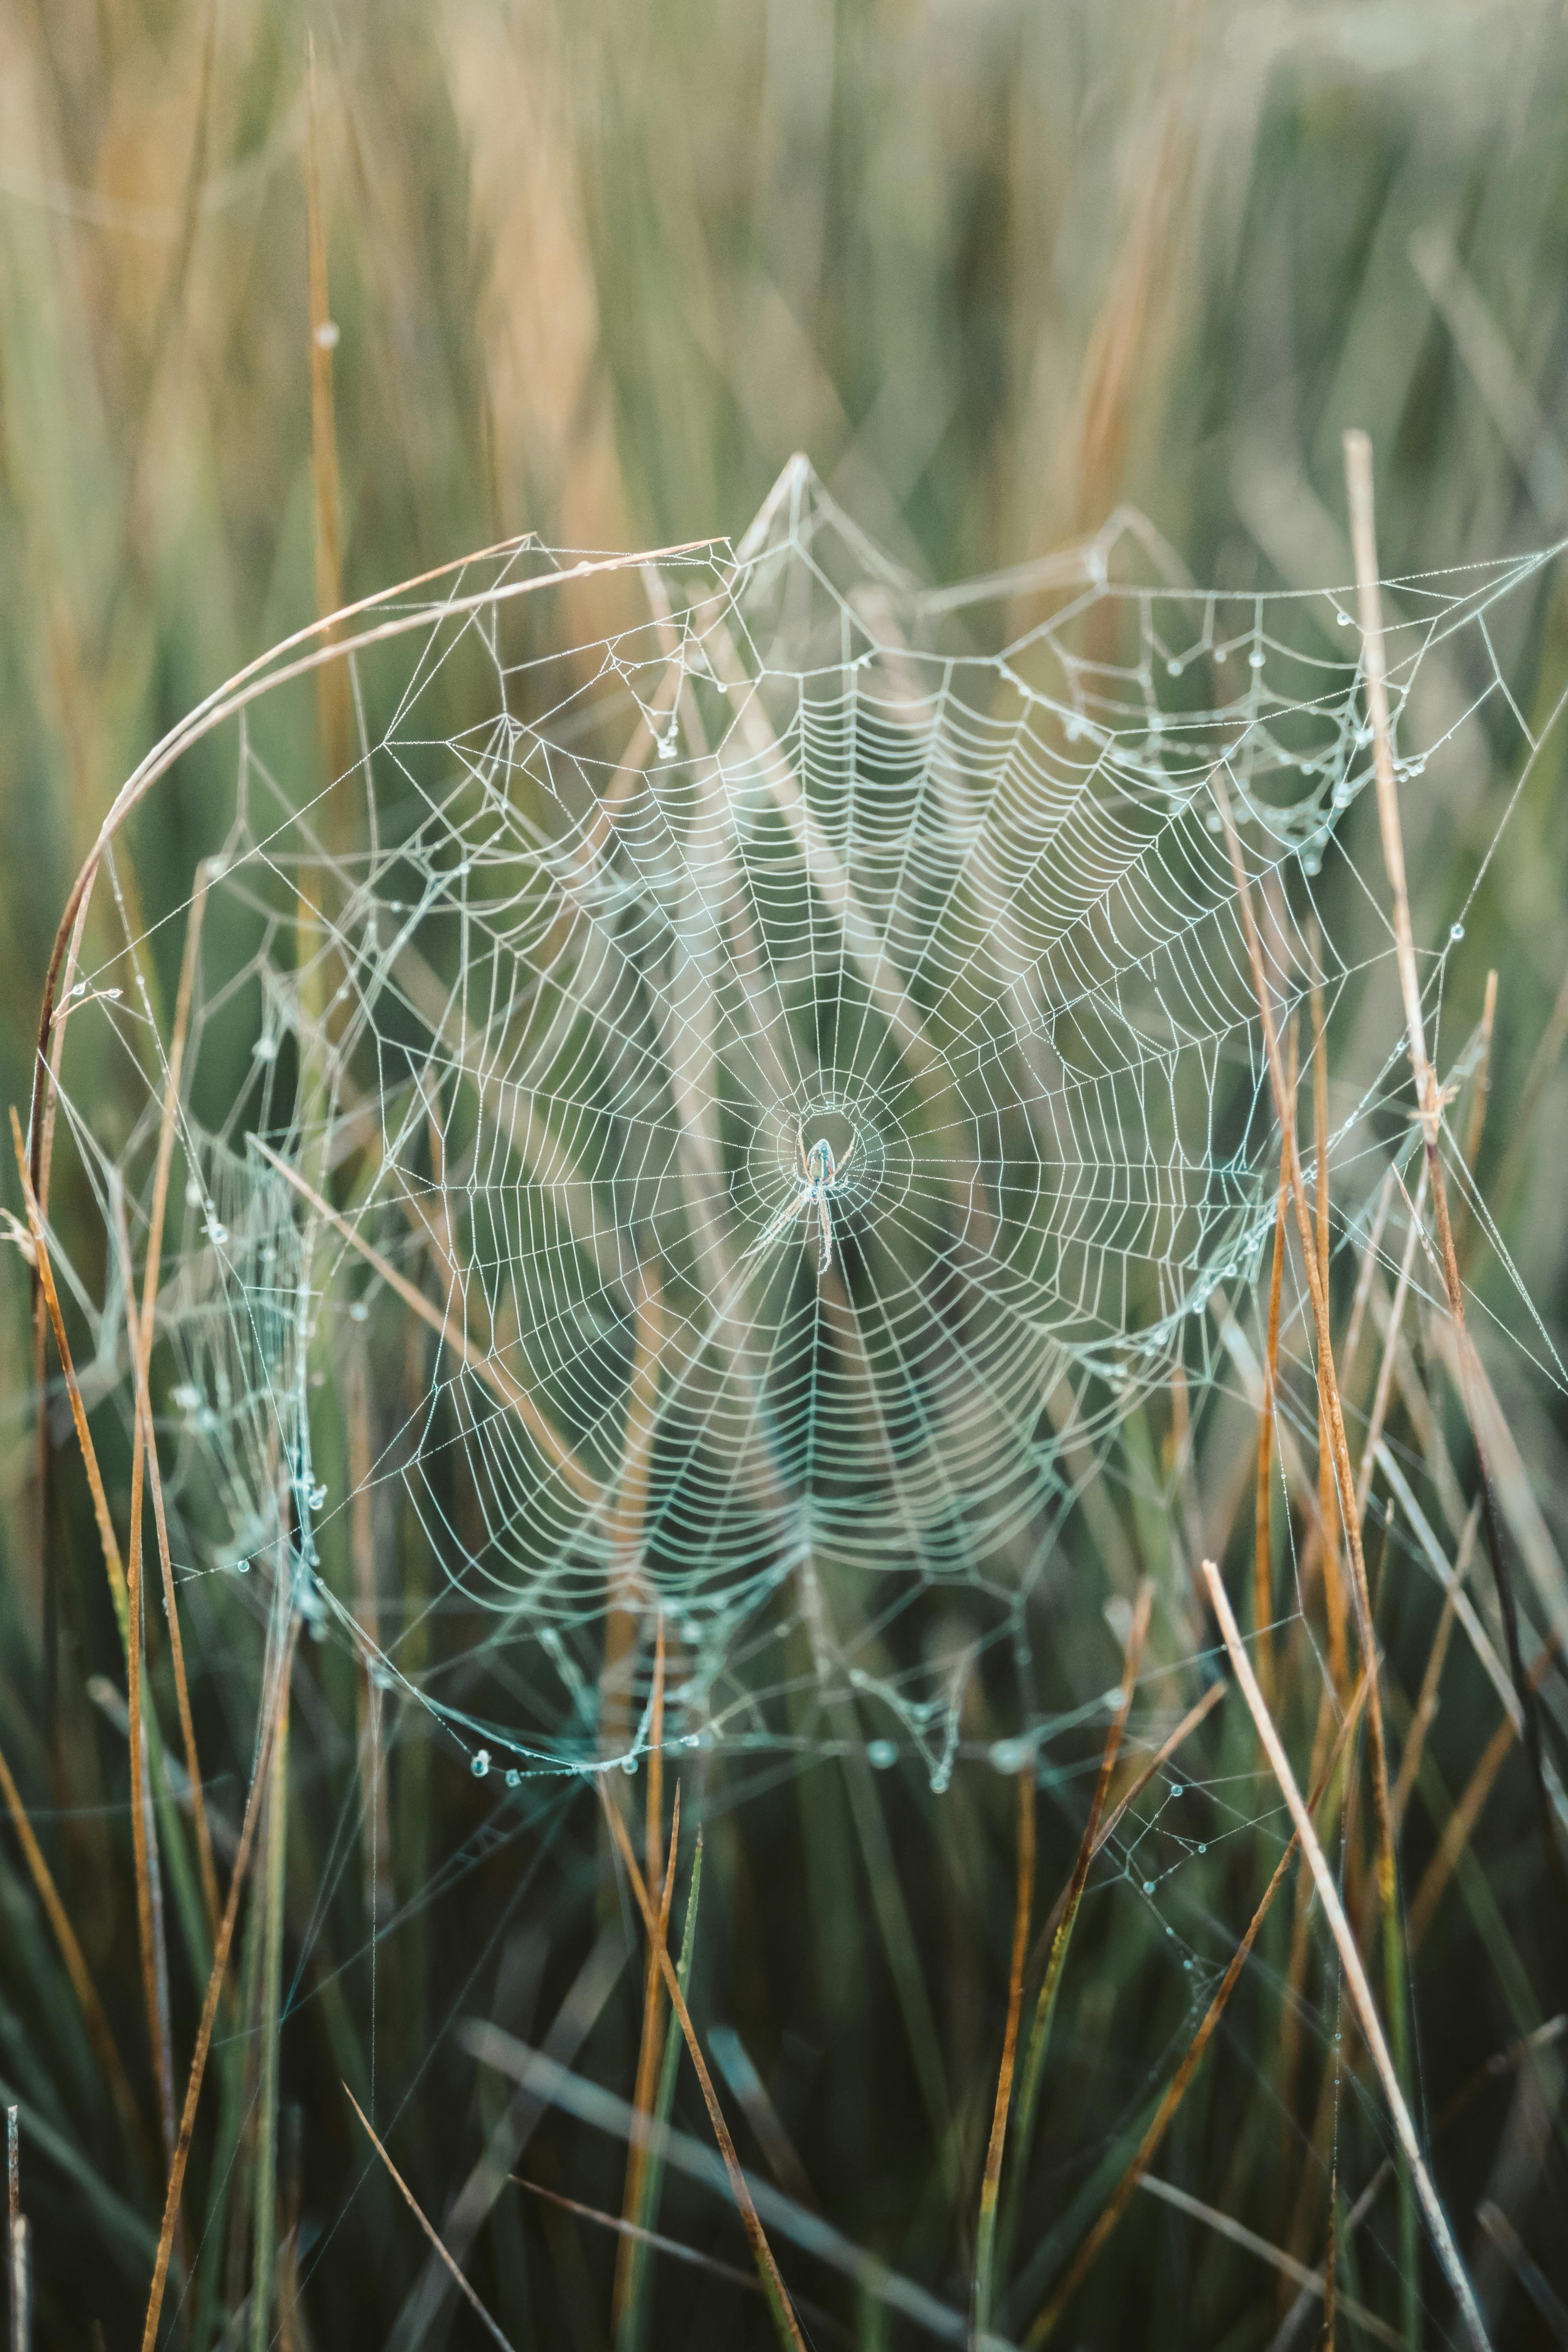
(824, 1221)
(800, 1151)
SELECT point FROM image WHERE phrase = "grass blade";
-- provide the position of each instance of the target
(1044, 2006)
(418, 2213)
(986, 2232)
(278, 1700)
(1355, 1974)
(629, 2331)
(1116, 2204)
(762, 2252)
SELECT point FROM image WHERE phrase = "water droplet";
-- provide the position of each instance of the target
(629, 1765)
(1174, 668)
(242, 1567)
(194, 1192)
(880, 1754)
(1220, 653)
(1203, 1849)
(1343, 619)
(1255, 657)
(358, 1311)
(1175, 1789)
(480, 1762)
(1455, 930)
(1148, 1886)
(514, 1778)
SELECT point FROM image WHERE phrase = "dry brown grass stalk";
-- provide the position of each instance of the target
(756, 2238)
(98, 2031)
(1333, 1586)
(276, 1707)
(1044, 2325)
(332, 682)
(651, 2045)
(1263, 1536)
(1460, 1826)
(1363, 540)
(430, 2231)
(1365, 2007)
(127, 1600)
(992, 2178)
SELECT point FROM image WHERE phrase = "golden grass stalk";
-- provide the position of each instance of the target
(1175, 2091)
(1350, 1512)
(1263, 1540)
(274, 1885)
(624, 1531)
(650, 2050)
(145, 1448)
(756, 2238)
(258, 1781)
(1364, 1279)
(1355, 1976)
(986, 2232)
(418, 2213)
(1318, 2282)
(127, 1601)
(1364, 539)
(1333, 1586)
(98, 2031)
(1461, 1825)
(333, 682)
(377, 1826)
(1197, 1712)
(1384, 1386)
(1089, 1845)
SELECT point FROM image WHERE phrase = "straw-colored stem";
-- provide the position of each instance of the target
(650, 2050)
(332, 682)
(1328, 1385)
(144, 1447)
(418, 2213)
(100, 2033)
(629, 2331)
(1461, 1825)
(1333, 1586)
(986, 2232)
(1385, 1371)
(1355, 1976)
(259, 1779)
(1363, 540)
(127, 1609)
(1044, 2006)
(1175, 2091)
(762, 2252)
(270, 2026)
(1263, 1540)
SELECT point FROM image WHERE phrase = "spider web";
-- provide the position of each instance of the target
(725, 1105)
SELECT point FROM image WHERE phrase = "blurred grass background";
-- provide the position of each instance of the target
(596, 271)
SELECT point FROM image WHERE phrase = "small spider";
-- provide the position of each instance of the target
(820, 1174)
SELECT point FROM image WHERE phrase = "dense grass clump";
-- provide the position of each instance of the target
(773, 2040)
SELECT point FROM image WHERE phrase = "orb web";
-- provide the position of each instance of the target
(721, 1109)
